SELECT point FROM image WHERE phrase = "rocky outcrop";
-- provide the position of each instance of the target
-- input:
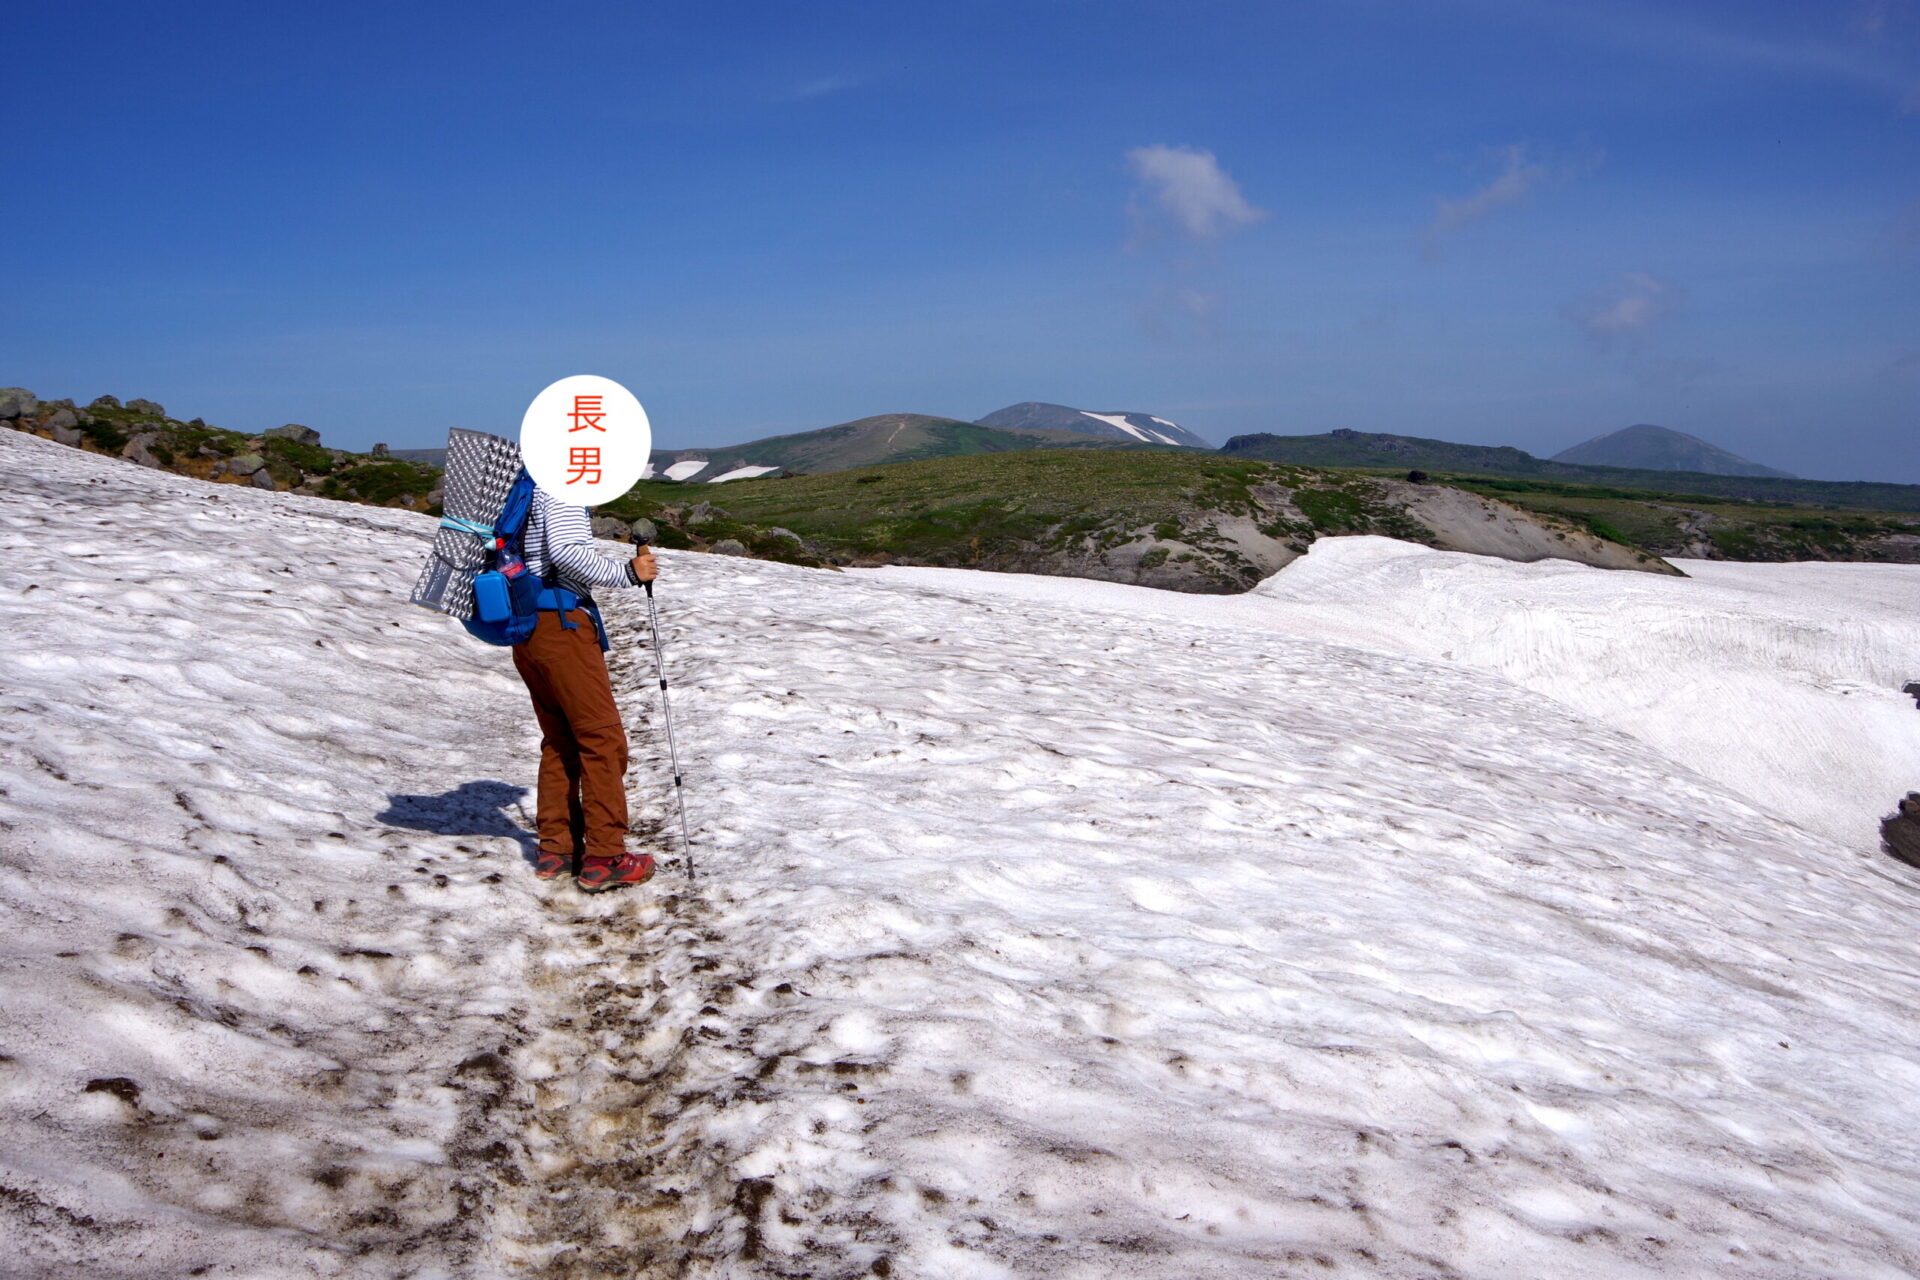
(1230, 546)
(1463, 521)
(289, 457)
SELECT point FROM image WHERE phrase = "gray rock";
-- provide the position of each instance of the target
(705, 511)
(18, 402)
(293, 431)
(69, 436)
(778, 532)
(611, 527)
(244, 465)
(644, 529)
(262, 479)
(146, 407)
(380, 451)
(1902, 830)
(62, 418)
(729, 547)
(140, 450)
(438, 496)
(105, 402)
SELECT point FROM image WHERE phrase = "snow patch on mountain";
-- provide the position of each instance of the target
(1117, 420)
(742, 473)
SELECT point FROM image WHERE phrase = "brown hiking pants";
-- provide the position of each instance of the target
(583, 744)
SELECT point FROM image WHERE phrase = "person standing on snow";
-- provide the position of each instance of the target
(582, 806)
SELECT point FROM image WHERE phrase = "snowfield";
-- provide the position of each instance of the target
(1043, 928)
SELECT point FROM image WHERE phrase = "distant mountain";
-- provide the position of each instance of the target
(1649, 448)
(886, 437)
(1036, 415)
(1366, 449)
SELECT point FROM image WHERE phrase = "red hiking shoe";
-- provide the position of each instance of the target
(552, 866)
(600, 874)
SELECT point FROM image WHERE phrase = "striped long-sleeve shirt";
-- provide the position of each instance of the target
(560, 549)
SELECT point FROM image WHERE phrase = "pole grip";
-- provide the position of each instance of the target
(640, 541)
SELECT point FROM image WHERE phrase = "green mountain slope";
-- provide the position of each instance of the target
(1645, 447)
(886, 437)
(1398, 453)
(1177, 519)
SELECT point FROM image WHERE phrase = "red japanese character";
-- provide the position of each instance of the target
(587, 412)
(584, 462)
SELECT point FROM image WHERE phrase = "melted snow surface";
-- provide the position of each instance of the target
(1036, 935)
(242, 966)
(1780, 681)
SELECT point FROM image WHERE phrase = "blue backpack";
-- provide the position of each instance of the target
(508, 597)
(506, 594)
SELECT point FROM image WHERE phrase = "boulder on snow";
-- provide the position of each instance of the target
(729, 547)
(18, 402)
(295, 432)
(1901, 832)
(69, 436)
(611, 527)
(1912, 689)
(140, 450)
(148, 407)
(262, 479)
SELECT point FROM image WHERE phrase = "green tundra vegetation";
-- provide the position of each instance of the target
(1002, 510)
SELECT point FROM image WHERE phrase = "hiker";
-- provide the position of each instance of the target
(583, 745)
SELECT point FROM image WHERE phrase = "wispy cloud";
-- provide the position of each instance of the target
(1904, 365)
(822, 87)
(1621, 313)
(1870, 19)
(1905, 231)
(1180, 309)
(1193, 190)
(1857, 54)
(1518, 175)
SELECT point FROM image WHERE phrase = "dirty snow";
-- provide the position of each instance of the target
(1034, 936)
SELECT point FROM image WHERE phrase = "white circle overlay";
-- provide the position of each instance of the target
(586, 440)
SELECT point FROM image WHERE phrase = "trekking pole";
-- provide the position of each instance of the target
(666, 713)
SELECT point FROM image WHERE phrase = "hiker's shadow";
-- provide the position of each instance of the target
(484, 808)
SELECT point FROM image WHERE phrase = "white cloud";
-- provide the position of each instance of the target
(1518, 175)
(1623, 311)
(1191, 187)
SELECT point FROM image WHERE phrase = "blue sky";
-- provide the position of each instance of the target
(1486, 220)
